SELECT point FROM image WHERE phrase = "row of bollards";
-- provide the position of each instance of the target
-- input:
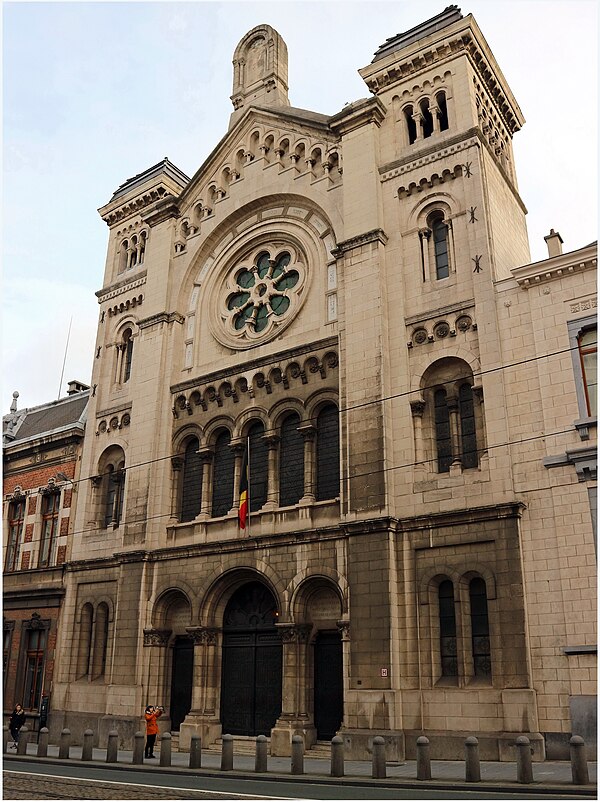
(524, 752)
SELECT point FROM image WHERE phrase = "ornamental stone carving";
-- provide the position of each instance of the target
(156, 637)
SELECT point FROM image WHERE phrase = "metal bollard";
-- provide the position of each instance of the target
(472, 766)
(196, 752)
(112, 747)
(423, 758)
(42, 747)
(337, 756)
(5, 738)
(65, 744)
(378, 761)
(260, 761)
(579, 767)
(23, 741)
(165, 749)
(88, 745)
(524, 768)
(227, 753)
(138, 748)
(297, 754)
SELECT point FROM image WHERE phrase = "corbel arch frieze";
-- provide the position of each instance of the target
(216, 590)
(421, 364)
(430, 182)
(433, 577)
(305, 581)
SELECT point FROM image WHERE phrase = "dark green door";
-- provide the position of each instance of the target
(181, 681)
(329, 691)
(252, 663)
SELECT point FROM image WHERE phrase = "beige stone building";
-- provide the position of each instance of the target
(352, 296)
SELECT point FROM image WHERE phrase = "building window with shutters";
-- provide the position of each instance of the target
(16, 518)
(49, 536)
(328, 453)
(223, 468)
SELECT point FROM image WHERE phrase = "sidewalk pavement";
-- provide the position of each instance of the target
(555, 774)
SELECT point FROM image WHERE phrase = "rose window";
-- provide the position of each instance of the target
(262, 292)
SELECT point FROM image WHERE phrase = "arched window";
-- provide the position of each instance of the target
(440, 99)
(134, 252)
(222, 491)
(439, 230)
(85, 641)
(442, 431)
(100, 640)
(123, 256)
(467, 426)
(115, 488)
(448, 652)
(328, 453)
(291, 462)
(427, 118)
(127, 348)
(142, 247)
(411, 125)
(480, 628)
(191, 491)
(258, 466)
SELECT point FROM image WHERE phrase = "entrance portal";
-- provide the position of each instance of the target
(329, 690)
(252, 663)
(181, 681)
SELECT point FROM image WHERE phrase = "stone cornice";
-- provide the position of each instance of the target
(161, 317)
(118, 287)
(561, 266)
(165, 209)
(434, 151)
(241, 368)
(126, 407)
(113, 213)
(376, 235)
(357, 114)
(441, 311)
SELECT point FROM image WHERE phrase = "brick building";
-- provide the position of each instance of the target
(41, 452)
(351, 297)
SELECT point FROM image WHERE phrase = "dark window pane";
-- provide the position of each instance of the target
(222, 496)
(258, 466)
(480, 628)
(440, 243)
(291, 462)
(328, 453)
(442, 431)
(191, 496)
(447, 629)
(467, 427)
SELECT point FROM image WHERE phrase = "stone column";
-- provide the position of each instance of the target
(418, 118)
(344, 629)
(480, 421)
(454, 428)
(294, 718)
(435, 112)
(158, 639)
(417, 409)
(237, 446)
(272, 441)
(309, 433)
(203, 718)
(424, 237)
(177, 466)
(206, 457)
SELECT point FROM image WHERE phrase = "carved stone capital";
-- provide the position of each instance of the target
(344, 629)
(156, 637)
(206, 454)
(417, 408)
(177, 462)
(207, 636)
(294, 633)
(308, 431)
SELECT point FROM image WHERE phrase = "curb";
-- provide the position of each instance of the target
(320, 779)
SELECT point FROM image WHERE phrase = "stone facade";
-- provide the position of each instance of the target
(352, 294)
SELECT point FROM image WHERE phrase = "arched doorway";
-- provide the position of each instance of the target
(252, 662)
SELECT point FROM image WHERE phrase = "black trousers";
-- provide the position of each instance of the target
(15, 735)
(150, 739)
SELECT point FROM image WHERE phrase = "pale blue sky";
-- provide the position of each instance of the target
(97, 92)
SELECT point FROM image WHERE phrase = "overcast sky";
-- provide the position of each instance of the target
(94, 93)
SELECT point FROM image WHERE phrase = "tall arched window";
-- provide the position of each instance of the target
(222, 491)
(258, 466)
(115, 489)
(328, 453)
(440, 99)
(291, 462)
(448, 652)
(442, 431)
(191, 490)
(127, 347)
(123, 256)
(100, 640)
(440, 246)
(467, 426)
(85, 641)
(411, 126)
(480, 628)
(426, 117)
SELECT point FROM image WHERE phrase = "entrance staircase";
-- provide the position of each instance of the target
(246, 745)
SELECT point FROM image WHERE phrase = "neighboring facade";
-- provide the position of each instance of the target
(351, 295)
(41, 452)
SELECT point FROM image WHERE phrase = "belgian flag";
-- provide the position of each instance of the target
(243, 504)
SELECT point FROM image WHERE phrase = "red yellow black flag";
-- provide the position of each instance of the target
(243, 504)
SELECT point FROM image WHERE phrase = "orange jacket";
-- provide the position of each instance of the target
(151, 725)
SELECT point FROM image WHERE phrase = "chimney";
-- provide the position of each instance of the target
(554, 243)
(77, 387)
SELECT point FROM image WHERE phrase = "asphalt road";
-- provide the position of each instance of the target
(28, 780)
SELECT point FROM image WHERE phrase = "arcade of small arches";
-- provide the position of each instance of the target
(292, 460)
(132, 250)
(424, 117)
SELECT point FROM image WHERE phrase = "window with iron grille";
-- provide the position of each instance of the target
(50, 507)
(291, 462)
(16, 517)
(328, 453)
